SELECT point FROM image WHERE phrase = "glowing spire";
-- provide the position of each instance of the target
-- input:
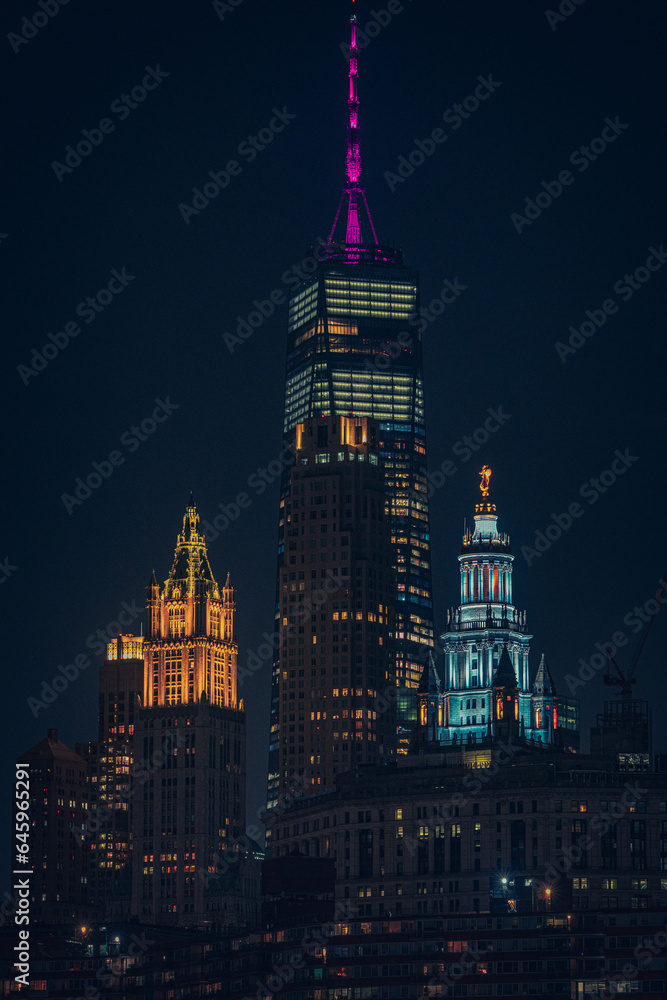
(191, 565)
(352, 187)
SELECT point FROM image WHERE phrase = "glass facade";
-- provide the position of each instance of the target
(354, 350)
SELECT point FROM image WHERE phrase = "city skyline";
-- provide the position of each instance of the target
(169, 413)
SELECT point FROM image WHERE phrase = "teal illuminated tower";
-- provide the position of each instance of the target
(486, 693)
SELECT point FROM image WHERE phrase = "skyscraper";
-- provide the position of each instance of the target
(354, 349)
(59, 812)
(111, 764)
(336, 650)
(190, 737)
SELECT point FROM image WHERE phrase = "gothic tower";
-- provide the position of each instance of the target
(190, 740)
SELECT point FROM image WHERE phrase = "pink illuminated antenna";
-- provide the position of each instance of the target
(352, 187)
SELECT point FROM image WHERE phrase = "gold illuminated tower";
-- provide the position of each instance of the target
(190, 650)
(190, 740)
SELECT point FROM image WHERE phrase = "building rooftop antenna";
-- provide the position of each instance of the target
(352, 187)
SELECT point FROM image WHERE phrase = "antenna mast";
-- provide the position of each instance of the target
(352, 187)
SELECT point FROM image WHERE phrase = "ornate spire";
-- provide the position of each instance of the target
(543, 683)
(191, 565)
(352, 187)
(429, 682)
(505, 674)
(485, 532)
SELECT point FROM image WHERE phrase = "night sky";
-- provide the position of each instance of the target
(218, 77)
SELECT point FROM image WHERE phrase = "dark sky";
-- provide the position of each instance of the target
(161, 337)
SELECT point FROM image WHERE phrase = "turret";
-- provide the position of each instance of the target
(430, 704)
(506, 721)
(544, 700)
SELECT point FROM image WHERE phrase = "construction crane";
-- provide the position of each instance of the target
(625, 681)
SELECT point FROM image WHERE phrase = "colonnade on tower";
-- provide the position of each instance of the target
(485, 690)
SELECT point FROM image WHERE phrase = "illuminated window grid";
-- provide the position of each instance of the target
(172, 677)
(384, 300)
(303, 307)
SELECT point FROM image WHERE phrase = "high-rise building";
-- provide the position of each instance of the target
(336, 607)
(111, 763)
(487, 691)
(189, 805)
(59, 809)
(625, 729)
(354, 349)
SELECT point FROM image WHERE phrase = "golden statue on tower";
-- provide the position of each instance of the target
(484, 485)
